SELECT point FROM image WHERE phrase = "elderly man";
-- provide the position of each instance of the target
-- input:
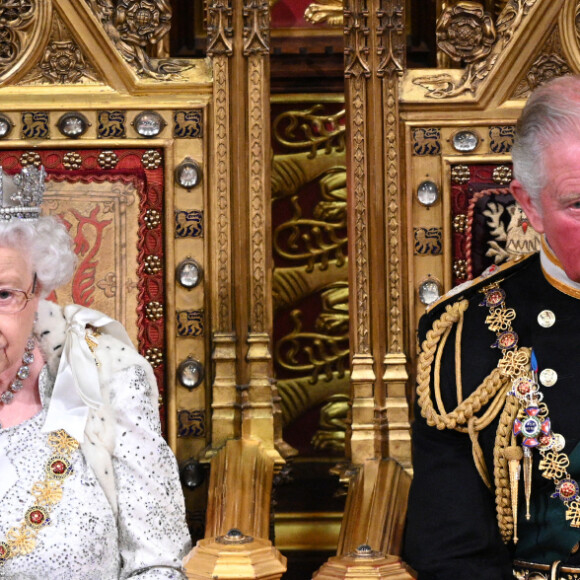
(497, 430)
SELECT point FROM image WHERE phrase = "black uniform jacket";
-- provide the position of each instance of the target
(452, 531)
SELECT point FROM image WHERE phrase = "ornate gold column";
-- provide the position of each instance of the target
(375, 59)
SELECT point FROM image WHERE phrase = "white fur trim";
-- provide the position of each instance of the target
(113, 356)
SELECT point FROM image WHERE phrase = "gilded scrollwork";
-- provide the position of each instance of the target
(465, 32)
(300, 129)
(135, 26)
(331, 433)
(310, 242)
(328, 12)
(322, 239)
(444, 85)
(324, 350)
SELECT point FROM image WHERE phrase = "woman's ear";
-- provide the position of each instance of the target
(530, 207)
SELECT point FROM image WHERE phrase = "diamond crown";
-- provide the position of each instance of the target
(21, 194)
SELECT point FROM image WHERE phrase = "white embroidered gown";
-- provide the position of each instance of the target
(83, 539)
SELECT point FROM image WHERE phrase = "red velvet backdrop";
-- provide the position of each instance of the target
(289, 13)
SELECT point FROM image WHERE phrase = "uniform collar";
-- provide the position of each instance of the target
(554, 273)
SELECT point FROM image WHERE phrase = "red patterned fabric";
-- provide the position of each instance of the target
(471, 199)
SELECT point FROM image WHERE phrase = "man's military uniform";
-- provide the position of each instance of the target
(472, 429)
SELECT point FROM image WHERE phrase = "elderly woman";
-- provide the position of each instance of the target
(89, 487)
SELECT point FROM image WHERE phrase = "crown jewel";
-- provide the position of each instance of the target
(21, 194)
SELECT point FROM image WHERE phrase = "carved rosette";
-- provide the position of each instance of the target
(143, 22)
(465, 32)
(442, 85)
(550, 64)
(62, 62)
(136, 26)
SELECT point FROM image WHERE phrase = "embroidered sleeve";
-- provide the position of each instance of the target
(153, 536)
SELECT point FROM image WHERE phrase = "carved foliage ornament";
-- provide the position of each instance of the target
(443, 85)
(550, 64)
(465, 32)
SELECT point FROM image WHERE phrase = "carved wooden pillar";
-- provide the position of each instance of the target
(374, 62)
(257, 400)
(393, 403)
(243, 457)
(225, 407)
(243, 392)
(375, 45)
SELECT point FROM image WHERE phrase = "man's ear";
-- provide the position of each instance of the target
(531, 210)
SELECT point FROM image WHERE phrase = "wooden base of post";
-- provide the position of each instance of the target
(235, 557)
(364, 567)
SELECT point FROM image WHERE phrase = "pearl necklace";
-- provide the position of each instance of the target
(23, 373)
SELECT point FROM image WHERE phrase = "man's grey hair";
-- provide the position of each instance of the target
(551, 117)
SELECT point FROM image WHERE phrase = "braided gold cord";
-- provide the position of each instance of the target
(467, 408)
(495, 386)
(503, 436)
(477, 453)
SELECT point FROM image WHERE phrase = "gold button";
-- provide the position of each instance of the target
(548, 377)
(575, 549)
(546, 318)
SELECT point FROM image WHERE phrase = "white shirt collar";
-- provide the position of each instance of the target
(554, 272)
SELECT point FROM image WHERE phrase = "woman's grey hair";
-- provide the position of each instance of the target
(550, 117)
(48, 246)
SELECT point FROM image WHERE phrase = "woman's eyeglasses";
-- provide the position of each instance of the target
(13, 300)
